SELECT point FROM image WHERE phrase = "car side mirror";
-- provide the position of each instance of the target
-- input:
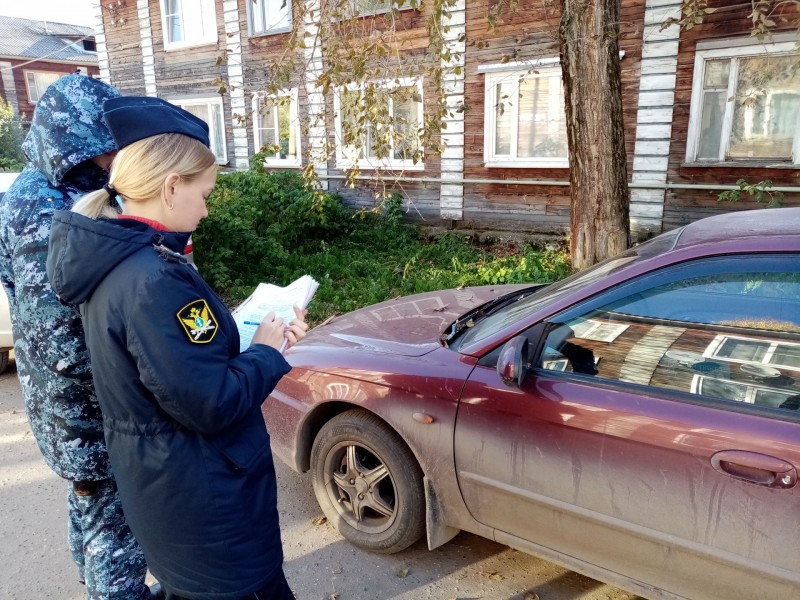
(511, 362)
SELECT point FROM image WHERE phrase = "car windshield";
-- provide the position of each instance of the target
(493, 321)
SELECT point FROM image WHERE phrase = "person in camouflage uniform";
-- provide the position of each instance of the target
(69, 148)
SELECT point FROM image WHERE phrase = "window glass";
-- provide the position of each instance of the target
(380, 123)
(715, 96)
(174, 25)
(209, 111)
(542, 128)
(748, 104)
(766, 108)
(370, 7)
(527, 122)
(38, 82)
(405, 122)
(269, 15)
(730, 333)
(503, 118)
(277, 128)
(188, 22)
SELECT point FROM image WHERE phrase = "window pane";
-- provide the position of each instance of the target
(259, 14)
(717, 73)
(211, 114)
(174, 25)
(38, 83)
(370, 7)
(194, 19)
(503, 116)
(406, 122)
(377, 136)
(266, 123)
(270, 14)
(278, 13)
(217, 131)
(285, 129)
(785, 355)
(350, 107)
(766, 107)
(711, 125)
(542, 128)
(744, 350)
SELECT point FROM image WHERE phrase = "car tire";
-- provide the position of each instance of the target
(4, 361)
(368, 483)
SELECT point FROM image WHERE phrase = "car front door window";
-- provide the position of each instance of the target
(727, 329)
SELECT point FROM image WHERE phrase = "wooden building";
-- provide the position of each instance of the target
(33, 54)
(699, 112)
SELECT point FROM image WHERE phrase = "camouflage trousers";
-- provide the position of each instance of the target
(109, 559)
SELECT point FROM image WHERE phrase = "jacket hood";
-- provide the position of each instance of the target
(84, 251)
(67, 127)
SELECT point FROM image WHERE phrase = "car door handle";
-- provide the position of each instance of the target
(756, 468)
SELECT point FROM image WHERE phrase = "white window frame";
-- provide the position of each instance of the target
(512, 72)
(730, 49)
(294, 118)
(39, 92)
(212, 135)
(261, 6)
(344, 156)
(209, 17)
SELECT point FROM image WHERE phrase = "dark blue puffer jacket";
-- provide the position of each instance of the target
(181, 406)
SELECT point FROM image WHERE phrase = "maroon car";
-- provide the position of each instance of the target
(638, 422)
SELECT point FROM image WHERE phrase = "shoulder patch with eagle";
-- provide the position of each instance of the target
(198, 322)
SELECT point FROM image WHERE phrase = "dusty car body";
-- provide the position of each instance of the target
(638, 422)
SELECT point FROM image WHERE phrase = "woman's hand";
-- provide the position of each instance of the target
(270, 332)
(297, 329)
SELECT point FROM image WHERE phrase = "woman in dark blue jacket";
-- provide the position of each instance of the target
(181, 404)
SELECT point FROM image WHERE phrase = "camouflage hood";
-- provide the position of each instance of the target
(67, 127)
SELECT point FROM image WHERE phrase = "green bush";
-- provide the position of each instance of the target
(11, 156)
(269, 227)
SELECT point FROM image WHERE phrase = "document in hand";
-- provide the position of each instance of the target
(269, 298)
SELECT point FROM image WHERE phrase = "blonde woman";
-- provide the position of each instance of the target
(181, 404)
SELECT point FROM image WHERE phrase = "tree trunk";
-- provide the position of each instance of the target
(588, 41)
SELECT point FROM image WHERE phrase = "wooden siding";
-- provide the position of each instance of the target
(528, 34)
(123, 45)
(683, 206)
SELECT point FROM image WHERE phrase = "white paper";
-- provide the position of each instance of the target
(269, 298)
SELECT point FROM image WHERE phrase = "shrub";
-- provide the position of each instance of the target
(271, 228)
(11, 156)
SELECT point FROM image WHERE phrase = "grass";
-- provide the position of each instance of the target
(371, 266)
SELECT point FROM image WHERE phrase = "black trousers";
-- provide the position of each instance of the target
(276, 589)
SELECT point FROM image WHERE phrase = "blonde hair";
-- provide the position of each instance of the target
(139, 170)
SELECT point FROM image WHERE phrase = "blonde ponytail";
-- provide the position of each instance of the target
(95, 205)
(139, 170)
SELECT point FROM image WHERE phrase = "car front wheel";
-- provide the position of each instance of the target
(368, 483)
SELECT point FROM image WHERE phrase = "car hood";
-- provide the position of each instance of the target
(407, 326)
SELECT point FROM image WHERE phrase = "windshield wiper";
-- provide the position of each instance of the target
(469, 318)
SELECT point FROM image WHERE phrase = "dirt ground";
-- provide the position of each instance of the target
(35, 563)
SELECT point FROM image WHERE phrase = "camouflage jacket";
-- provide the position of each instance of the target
(52, 360)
